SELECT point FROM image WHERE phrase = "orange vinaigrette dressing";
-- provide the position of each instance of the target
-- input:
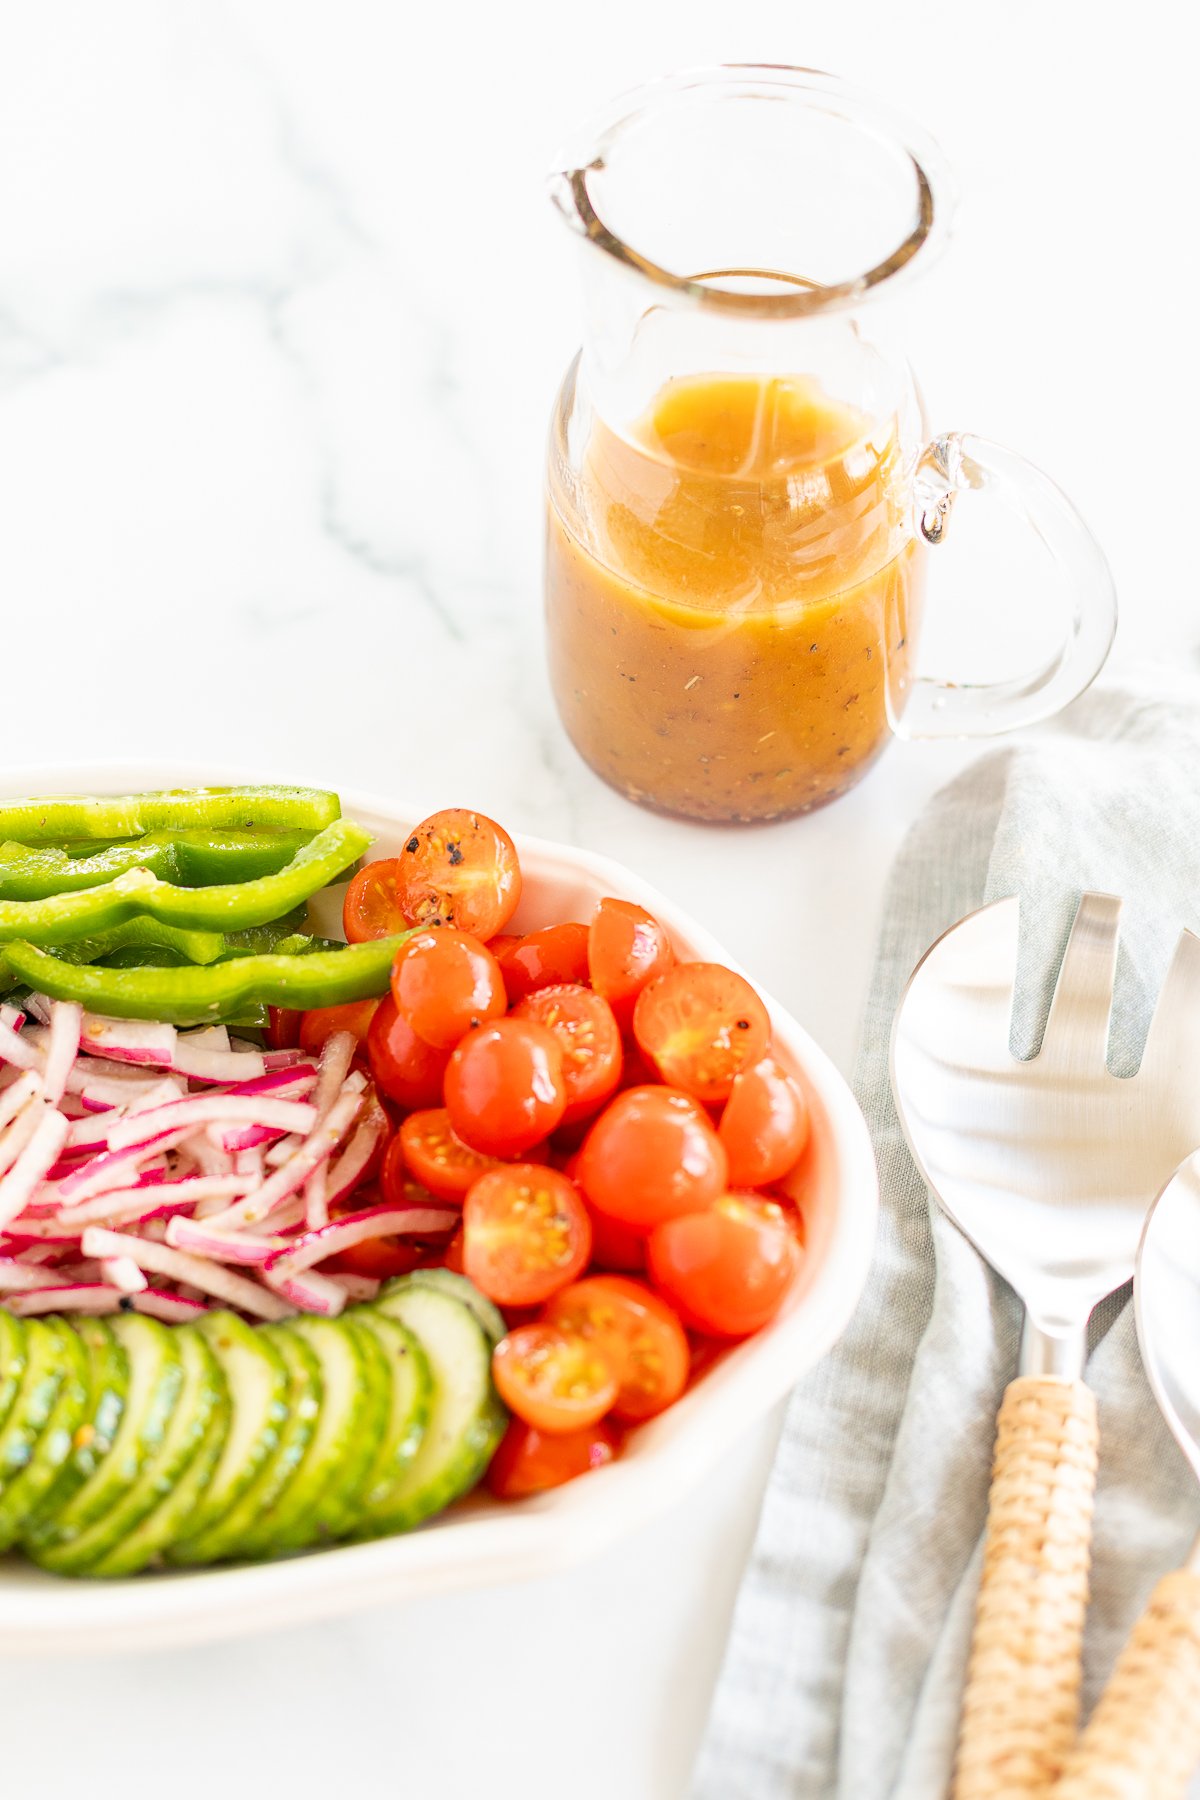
(732, 637)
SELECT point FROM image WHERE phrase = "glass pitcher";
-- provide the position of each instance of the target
(741, 489)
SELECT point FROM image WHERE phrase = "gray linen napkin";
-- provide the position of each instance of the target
(845, 1664)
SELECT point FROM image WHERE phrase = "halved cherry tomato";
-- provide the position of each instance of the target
(764, 1126)
(529, 1461)
(504, 1086)
(458, 868)
(372, 908)
(636, 1332)
(627, 947)
(439, 1158)
(526, 1233)
(701, 1026)
(283, 1028)
(652, 1155)
(553, 1379)
(543, 959)
(444, 982)
(589, 1038)
(407, 1069)
(727, 1270)
(321, 1022)
(614, 1245)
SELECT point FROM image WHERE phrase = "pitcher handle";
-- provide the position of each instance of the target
(950, 466)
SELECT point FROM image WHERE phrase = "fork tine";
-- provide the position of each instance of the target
(1076, 1034)
(1173, 1041)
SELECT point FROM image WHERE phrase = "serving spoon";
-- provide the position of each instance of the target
(1049, 1166)
(1143, 1740)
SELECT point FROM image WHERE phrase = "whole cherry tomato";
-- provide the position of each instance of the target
(651, 1155)
(407, 1069)
(727, 1270)
(321, 1022)
(764, 1126)
(530, 1461)
(543, 959)
(627, 947)
(444, 982)
(504, 1086)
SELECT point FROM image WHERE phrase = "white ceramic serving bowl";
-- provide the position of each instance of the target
(667, 1527)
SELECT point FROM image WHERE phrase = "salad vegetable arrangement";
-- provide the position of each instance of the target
(299, 1238)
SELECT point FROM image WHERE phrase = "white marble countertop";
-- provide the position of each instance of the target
(282, 313)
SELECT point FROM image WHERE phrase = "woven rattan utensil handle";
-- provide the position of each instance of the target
(1143, 1740)
(1021, 1709)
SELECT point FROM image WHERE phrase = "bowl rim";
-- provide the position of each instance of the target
(481, 1543)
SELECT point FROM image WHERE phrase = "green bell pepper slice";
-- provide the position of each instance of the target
(202, 996)
(59, 817)
(63, 918)
(148, 941)
(191, 858)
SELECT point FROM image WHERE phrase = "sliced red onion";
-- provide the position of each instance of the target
(130, 1040)
(199, 1238)
(280, 1152)
(15, 1097)
(356, 1228)
(12, 1047)
(66, 1021)
(122, 1272)
(283, 1059)
(176, 1265)
(316, 1198)
(292, 1174)
(279, 1082)
(172, 1309)
(244, 1137)
(73, 1297)
(112, 1169)
(215, 1065)
(356, 1287)
(346, 1172)
(16, 1276)
(312, 1293)
(203, 1109)
(40, 1153)
(337, 1053)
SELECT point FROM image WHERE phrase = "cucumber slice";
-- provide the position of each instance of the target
(466, 1419)
(108, 1383)
(136, 1530)
(248, 1528)
(349, 1429)
(119, 1493)
(34, 1401)
(12, 1362)
(489, 1316)
(21, 1495)
(411, 1398)
(257, 1381)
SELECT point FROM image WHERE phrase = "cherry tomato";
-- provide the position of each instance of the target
(728, 1269)
(505, 1089)
(501, 942)
(589, 1038)
(636, 1332)
(436, 1157)
(544, 959)
(764, 1126)
(652, 1155)
(380, 1257)
(283, 1028)
(320, 1022)
(526, 1233)
(371, 908)
(614, 1245)
(701, 1026)
(529, 1461)
(444, 982)
(703, 1352)
(407, 1069)
(553, 1379)
(459, 868)
(626, 949)
(452, 1256)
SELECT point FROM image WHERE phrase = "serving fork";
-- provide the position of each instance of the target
(1049, 1166)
